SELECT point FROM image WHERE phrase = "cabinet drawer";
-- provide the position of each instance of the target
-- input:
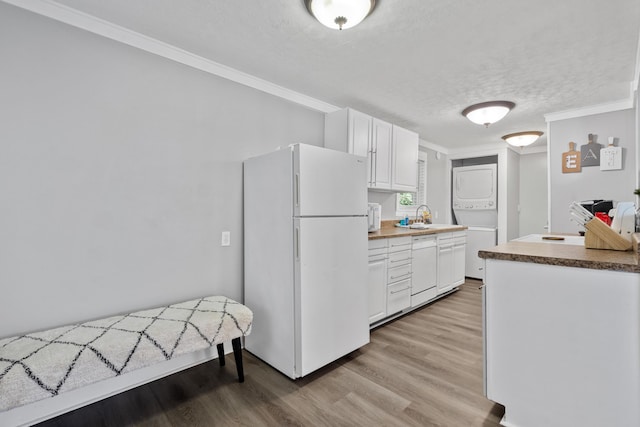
(378, 244)
(398, 297)
(377, 249)
(398, 273)
(399, 258)
(399, 244)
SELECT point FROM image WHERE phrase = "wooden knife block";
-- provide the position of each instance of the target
(599, 235)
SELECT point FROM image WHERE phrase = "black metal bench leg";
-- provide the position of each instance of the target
(237, 354)
(221, 353)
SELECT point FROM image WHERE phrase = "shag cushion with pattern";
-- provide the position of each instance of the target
(47, 363)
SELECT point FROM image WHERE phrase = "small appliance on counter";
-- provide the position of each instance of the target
(374, 213)
(624, 219)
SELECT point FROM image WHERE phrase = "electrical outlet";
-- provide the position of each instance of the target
(226, 238)
(435, 215)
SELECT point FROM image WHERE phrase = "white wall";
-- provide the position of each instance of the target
(118, 171)
(533, 193)
(387, 202)
(513, 195)
(438, 186)
(591, 182)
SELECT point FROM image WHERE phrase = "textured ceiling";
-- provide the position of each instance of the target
(416, 63)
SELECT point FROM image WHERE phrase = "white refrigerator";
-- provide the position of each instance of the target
(305, 256)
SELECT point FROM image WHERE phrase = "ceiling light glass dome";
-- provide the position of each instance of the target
(487, 113)
(522, 139)
(340, 14)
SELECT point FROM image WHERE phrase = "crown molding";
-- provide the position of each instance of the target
(623, 104)
(84, 21)
(433, 146)
(532, 149)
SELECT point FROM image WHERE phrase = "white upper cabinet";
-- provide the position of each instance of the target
(359, 133)
(404, 175)
(349, 131)
(381, 153)
(391, 151)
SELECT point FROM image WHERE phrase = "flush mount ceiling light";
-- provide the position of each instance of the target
(487, 113)
(340, 14)
(522, 139)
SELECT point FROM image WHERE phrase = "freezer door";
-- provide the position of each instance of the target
(330, 289)
(328, 182)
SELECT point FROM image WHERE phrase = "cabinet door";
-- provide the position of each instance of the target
(381, 154)
(445, 268)
(458, 264)
(404, 175)
(377, 289)
(359, 138)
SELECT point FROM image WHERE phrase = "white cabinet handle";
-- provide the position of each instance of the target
(399, 260)
(399, 290)
(374, 175)
(402, 275)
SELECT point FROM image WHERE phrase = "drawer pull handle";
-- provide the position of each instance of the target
(402, 275)
(399, 290)
(400, 260)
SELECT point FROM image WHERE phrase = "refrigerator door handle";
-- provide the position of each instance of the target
(297, 189)
(297, 243)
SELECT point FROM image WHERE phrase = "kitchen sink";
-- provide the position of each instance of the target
(419, 225)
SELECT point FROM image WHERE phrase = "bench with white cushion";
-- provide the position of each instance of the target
(47, 363)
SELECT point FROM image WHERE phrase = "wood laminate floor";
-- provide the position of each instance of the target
(424, 369)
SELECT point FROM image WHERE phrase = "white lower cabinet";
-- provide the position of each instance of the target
(407, 272)
(451, 248)
(398, 296)
(377, 280)
(459, 257)
(399, 275)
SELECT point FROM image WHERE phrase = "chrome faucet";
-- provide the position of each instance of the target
(427, 218)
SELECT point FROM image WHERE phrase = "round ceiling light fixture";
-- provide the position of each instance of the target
(340, 14)
(522, 139)
(487, 113)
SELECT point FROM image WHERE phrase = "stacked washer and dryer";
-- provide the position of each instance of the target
(475, 204)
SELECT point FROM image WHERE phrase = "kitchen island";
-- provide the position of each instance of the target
(562, 333)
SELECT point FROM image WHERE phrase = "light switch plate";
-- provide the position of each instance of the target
(225, 240)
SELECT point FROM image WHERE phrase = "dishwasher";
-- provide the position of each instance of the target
(424, 266)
